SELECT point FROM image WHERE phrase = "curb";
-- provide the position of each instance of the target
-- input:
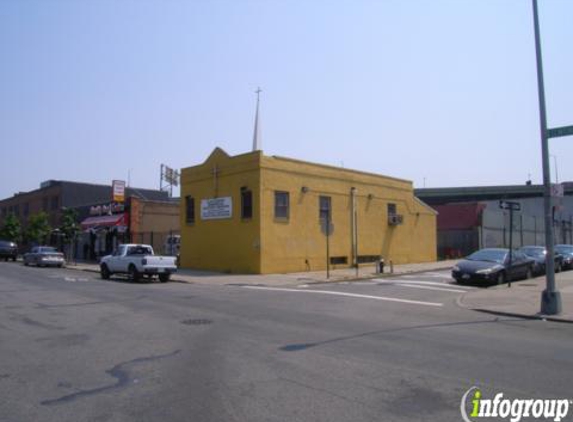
(94, 270)
(540, 317)
(311, 281)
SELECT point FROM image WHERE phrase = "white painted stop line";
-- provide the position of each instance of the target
(439, 289)
(328, 292)
(400, 282)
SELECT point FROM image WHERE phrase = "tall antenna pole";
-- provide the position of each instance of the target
(257, 131)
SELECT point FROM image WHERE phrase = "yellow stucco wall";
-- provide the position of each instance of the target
(229, 245)
(299, 244)
(264, 244)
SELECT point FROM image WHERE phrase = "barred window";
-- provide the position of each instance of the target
(281, 205)
(392, 209)
(324, 207)
(189, 209)
(246, 203)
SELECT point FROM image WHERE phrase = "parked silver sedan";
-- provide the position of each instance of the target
(44, 256)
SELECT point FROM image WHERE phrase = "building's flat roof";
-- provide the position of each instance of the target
(331, 167)
(220, 151)
(130, 191)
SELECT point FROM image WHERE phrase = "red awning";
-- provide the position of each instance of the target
(115, 220)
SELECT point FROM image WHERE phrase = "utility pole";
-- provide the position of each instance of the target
(550, 297)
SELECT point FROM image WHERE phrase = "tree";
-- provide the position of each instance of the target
(38, 228)
(11, 229)
(69, 228)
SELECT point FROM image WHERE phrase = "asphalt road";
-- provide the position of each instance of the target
(77, 348)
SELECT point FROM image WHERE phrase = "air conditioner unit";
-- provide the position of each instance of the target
(395, 219)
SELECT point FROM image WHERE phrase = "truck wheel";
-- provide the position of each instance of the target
(104, 272)
(133, 274)
(164, 278)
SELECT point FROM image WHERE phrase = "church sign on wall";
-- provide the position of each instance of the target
(216, 208)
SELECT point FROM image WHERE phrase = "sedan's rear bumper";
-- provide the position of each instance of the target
(51, 261)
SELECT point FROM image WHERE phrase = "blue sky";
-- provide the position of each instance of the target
(437, 92)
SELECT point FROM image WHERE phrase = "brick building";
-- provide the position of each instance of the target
(147, 215)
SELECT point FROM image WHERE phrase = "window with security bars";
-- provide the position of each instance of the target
(392, 209)
(281, 205)
(324, 207)
(189, 209)
(246, 203)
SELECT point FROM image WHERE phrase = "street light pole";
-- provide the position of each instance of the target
(550, 298)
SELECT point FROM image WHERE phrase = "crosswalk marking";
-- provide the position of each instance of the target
(431, 275)
(441, 289)
(419, 282)
(360, 296)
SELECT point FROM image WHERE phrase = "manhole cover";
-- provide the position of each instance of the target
(196, 321)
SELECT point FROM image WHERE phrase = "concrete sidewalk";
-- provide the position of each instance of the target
(523, 299)
(293, 279)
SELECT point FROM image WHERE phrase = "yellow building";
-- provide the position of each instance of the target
(253, 213)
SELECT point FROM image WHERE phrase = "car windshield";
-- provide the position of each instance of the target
(564, 249)
(537, 252)
(47, 250)
(489, 255)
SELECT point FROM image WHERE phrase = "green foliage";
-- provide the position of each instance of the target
(69, 227)
(38, 228)
(11, 229)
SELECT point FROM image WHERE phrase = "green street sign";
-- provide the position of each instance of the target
(560, 131)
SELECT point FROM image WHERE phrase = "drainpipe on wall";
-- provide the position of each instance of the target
(354, 229)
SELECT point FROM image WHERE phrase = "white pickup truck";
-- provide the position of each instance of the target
(137, 260)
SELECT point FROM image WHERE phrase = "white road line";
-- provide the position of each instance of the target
(415, 286)
(429, 283)
(430, 275)
(328, 292)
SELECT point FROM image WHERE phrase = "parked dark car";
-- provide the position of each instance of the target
(491, 266)
(44, 256)
(539, 254)
(567, 252)
(8, 250)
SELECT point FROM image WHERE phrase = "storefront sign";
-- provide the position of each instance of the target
(118, 190)
(106, 209)
(216, 208)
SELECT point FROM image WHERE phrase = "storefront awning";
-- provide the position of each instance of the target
(115, 220)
